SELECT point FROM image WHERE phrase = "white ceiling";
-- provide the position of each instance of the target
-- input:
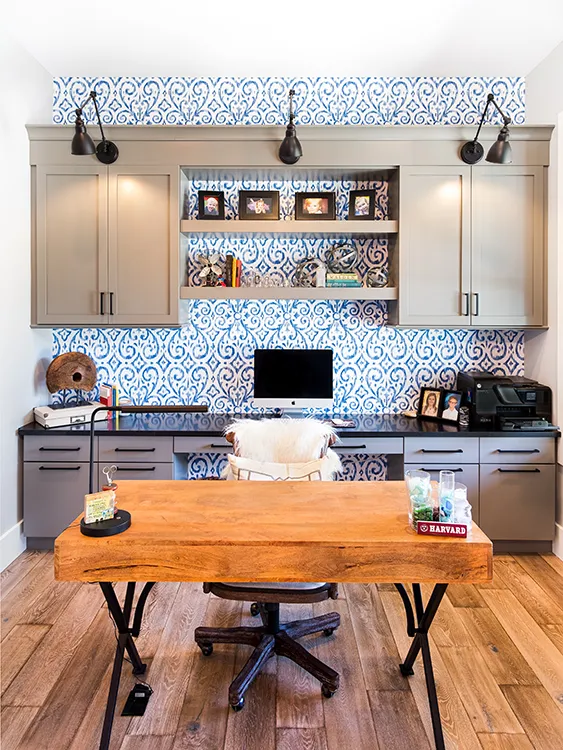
(287, 37)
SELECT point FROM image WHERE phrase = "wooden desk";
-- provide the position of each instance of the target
(270, 531)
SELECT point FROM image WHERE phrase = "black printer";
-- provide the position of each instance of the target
(499, 402)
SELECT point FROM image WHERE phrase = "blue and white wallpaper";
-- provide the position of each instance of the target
(378, 369)
(174, 100)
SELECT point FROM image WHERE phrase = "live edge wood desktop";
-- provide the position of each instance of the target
(341, 532)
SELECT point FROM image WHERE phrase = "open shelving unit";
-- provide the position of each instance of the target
(308, 293)
(336, 228)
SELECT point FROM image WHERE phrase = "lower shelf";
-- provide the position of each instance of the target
(223, 292)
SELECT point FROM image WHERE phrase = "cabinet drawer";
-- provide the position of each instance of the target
(518, 501)
(371, 446)
(53, 496)
(467, 474)
(137, 470)
(513, 450)
(205, 444)
(449, 450)
(57, 448)
(132, 448)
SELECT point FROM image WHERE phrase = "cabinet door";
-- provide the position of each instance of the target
(143, 245)
(70, 239)
(53, 496)
(434, 265)
(517, 501)
(507, 276)
(467, 474)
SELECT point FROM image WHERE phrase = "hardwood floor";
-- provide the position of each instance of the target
(497, 649)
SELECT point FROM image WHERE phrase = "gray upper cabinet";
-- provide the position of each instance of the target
(106, 245)
(507, 274)
(143, 245)
(70, 247)
(434, 261)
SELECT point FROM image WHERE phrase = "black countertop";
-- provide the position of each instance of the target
(193, 425)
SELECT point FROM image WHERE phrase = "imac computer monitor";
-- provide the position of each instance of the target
(293, 378)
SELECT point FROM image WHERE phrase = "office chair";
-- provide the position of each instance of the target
(288, 449)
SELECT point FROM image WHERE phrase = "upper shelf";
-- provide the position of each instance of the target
(337, 228)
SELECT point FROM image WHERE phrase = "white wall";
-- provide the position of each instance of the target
(544, 353)
(26, 98)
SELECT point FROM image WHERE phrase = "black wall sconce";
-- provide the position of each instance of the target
(82, 145)
(290, 150)
(500, 152)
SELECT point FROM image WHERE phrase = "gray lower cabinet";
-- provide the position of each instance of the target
(53, 496)
(518, 501)
(467, 474)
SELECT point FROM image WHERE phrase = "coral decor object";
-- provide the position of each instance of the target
(71, 370)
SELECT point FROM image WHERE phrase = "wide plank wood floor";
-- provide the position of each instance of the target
(498, 659)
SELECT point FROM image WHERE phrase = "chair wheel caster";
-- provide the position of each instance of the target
(206, 649)
(327, 692)
(255, 609)
(328, 631)
(238, 706)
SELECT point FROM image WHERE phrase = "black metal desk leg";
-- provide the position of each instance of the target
(420, 643)
(125, 642)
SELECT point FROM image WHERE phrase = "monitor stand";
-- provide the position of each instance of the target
(292, 413)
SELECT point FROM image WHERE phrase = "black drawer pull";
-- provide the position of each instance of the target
(134, 450)
(519, 471)
(228, 445)
(61, 450)
(136, 468)
(59, 468)
(350, 447)
(531, 450)
(452, 450)
(455, 471)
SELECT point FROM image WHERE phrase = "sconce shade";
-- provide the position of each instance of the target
(501, 150)
(82, 144)
(290, 149)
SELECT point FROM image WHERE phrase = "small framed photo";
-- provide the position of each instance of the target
(429, 403)
(259, 205)
(211, 204)
(362, 205)
(449, 408)
(315, 206)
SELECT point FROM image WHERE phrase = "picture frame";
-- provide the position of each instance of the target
(211, 204)
(361, 206)
(259, 205)
(449, 406)
(315, 206)
(429, 403)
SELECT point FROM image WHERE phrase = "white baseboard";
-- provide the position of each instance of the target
(12, 544)
(558, 541)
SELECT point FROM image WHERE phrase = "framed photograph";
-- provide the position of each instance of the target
(315, 206)
(259, 205)
(429, 403)
(362, 205)
(449, 408)
(211, 204)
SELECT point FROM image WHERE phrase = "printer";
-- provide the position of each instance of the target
(499, 402)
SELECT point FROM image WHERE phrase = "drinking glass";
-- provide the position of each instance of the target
(420, 507)
(446, 493)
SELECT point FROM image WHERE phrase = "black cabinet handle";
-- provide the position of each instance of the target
(465, 297)
(111, 303)
(61, 450)
(519, 471)
(102, 298)
(350, 447)
(531, 450)
(455, 471)
(452, 450)
(136, 468)
(134, 450)
(59, 468)
(228, 445)
(476, 306)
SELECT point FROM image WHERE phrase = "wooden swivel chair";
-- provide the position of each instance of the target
(272, 636)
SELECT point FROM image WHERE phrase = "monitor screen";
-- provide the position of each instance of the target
(293, 377)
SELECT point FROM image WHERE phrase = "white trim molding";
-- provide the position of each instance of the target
(558, 541)
(12, 544)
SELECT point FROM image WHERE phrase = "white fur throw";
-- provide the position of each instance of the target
(285, 441)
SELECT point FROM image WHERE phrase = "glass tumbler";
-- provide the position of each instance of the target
(420, 506)
(446, 494)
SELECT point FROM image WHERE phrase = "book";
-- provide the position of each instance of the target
(344, 282)
(106, 394)
(342, 276)
(229, 269)
(239, 271)
(234, 272)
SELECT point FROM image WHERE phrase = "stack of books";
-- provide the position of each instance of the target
(233, 271)
(350, 279)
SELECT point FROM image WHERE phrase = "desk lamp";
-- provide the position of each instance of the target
(122, 519)
(500, 152)
(83, 145)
